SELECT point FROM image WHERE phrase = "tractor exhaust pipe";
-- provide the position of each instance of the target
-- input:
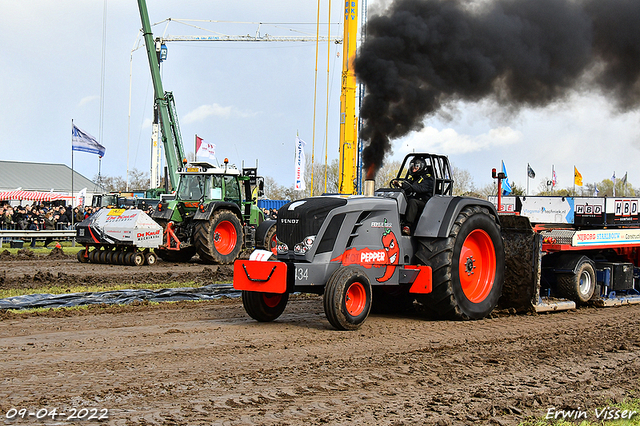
(369, 187)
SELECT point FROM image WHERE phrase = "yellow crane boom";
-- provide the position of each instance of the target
(348, 119)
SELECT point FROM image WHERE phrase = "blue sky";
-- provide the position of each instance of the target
(251, 99)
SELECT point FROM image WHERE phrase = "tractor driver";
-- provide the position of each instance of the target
(418, 187)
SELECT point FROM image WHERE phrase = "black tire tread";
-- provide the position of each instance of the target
(438, 253)
(255, 307)
(333, 299)
(204, 243)
(569, 285)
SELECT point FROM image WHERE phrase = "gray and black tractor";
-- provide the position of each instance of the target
(352, 251)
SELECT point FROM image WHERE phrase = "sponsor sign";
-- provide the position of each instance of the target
(606, 237)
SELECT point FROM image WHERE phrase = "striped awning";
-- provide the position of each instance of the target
(32, 196)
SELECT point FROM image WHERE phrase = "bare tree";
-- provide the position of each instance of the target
(462, 181)
(137, 180)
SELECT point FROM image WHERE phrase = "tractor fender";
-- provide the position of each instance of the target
(441, 211)
(164, 214)
(214, 206)
(263, 228)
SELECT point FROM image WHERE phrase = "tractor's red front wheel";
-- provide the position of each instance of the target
(264, 307)
(347, 298)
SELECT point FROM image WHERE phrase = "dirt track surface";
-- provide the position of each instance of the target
(24, 270)
(208, 363)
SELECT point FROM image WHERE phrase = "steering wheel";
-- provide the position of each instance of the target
(398, 183)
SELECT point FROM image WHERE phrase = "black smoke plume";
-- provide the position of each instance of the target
(420, 55)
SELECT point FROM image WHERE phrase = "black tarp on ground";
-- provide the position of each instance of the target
(212, 291)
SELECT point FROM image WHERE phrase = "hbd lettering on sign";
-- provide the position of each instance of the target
(626, 207)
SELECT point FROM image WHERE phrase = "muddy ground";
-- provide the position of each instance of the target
(207, 363)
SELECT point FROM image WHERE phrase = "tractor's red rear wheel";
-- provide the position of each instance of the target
(477, 266)
(219, 240)
(467, 267)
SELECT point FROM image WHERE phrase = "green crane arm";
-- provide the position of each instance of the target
(171, 138)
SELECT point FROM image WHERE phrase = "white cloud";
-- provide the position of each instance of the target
(430, 139)
(215, 110)
(87, 99)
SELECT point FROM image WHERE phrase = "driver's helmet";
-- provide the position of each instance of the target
(418, 164)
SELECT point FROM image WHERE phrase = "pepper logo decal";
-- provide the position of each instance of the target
(387, 256)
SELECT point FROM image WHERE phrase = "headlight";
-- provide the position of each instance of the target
(304, 246)
(282, 248)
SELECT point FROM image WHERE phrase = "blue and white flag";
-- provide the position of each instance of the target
(83, 141)
(300, 160)
(506, 186)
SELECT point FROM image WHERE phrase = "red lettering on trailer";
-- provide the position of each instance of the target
(586, 237)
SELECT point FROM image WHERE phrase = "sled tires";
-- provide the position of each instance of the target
(467, 267)
(219, 240)
(81, 256)
(137, 259)
(150, 258)
(264, 307)
(579, 287)
(347, 298)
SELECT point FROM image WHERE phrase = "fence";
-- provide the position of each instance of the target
(18, 234)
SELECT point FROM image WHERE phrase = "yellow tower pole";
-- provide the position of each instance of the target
(348, 119)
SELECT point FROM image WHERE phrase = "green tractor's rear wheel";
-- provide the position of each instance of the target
(347, 298)
(271, 241)
(264, 307)
(467, 267)
(219, 240)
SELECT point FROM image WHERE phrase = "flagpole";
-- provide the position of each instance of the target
(72, 197)
(527, 193)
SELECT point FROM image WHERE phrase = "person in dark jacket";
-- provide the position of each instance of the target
(418, 187)
(49, 224)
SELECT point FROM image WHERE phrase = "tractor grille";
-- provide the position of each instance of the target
(303, 218)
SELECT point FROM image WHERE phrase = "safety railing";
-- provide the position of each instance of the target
(7, 235)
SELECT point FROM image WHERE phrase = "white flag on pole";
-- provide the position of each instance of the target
(204, 149)
(81, 197)
(299, 165)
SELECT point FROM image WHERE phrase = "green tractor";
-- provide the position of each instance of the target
(214, 214)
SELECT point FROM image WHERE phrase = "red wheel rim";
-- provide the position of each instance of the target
(273, 245)
(355, 299)
(224, 237)
(271, 300)
(477, 267)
